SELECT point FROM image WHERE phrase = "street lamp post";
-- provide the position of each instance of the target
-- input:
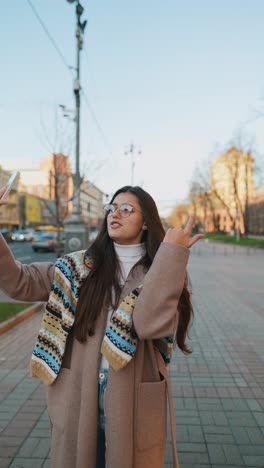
(131, 151)
(74, 227)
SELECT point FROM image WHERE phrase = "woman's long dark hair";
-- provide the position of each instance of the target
(96, 293)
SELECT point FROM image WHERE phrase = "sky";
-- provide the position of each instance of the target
(177, 79)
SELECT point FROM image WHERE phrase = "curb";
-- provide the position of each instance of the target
(20, 317)
(258, 247)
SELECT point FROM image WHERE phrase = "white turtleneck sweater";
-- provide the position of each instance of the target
(128, 256)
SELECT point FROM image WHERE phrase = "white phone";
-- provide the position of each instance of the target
(13, 178)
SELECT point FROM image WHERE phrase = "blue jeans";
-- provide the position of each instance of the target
(100, 452)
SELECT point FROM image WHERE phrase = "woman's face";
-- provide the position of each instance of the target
(125, 230)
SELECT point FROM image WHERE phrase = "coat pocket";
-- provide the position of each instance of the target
(57, 399)
(151, 414)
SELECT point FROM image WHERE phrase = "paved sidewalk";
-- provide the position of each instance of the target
(218, 390)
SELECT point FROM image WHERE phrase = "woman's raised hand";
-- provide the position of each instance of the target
(2, 191)
(182, 236)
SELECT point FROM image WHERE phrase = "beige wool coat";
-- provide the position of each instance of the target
(135, 397)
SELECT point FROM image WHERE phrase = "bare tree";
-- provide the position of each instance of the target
(179, 215)
(232, 218)
(57, 141)
(206, 196)
(231, 191)
(241, 167)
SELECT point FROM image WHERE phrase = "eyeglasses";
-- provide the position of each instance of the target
(125, 209)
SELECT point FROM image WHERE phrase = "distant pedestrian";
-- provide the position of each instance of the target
(113, 315)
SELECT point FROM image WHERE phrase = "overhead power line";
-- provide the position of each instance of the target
(104, 138)
(53, 42)
(89, 68)
(44, 27)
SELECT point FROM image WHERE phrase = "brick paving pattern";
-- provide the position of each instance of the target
(218, 390)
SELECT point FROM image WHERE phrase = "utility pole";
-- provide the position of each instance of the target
(132, 149)
(74, 228)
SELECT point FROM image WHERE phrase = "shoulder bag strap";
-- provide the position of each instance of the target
(171, 410)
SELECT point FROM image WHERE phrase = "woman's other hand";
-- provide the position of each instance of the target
(183, 236)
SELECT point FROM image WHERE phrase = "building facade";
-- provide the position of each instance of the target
(91, 200)
(232, 186)
(9, 215)
(46, 193)
(256, 214)
(231, 202)
(59, 182)
(44, 196)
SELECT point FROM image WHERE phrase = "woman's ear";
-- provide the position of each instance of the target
(144, 227)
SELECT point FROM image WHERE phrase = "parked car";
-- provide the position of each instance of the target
(7, 234)
(47, 242)
(44, 242)
(23, 235)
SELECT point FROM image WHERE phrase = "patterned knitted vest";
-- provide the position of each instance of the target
(119, 343)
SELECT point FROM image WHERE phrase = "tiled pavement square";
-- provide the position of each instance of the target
(218, 390)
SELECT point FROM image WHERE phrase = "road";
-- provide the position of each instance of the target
(24, 253)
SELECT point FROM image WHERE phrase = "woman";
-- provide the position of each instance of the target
(112, 317)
